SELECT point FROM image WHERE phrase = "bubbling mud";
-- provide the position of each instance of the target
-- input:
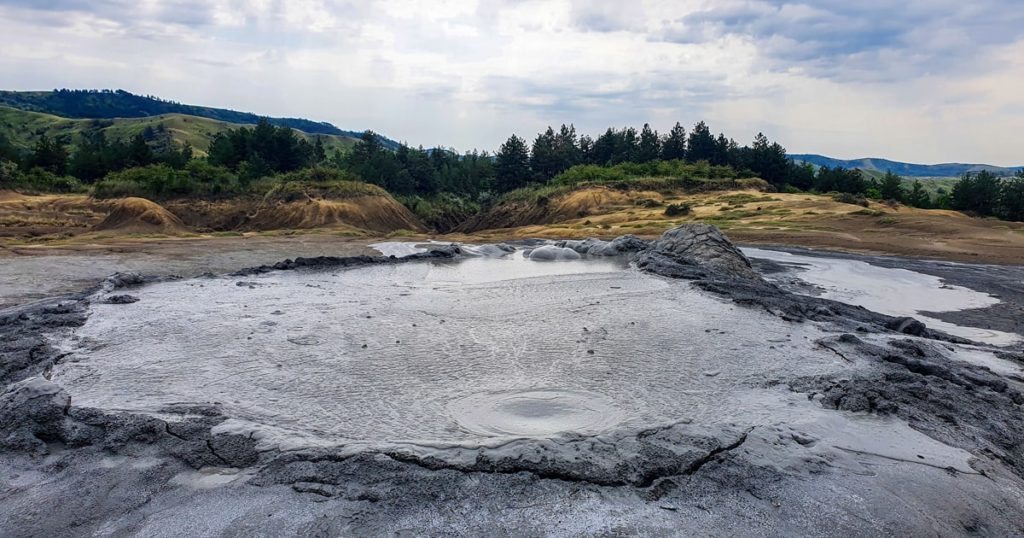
(535, 413)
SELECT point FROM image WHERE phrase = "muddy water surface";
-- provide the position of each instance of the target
(461, 351)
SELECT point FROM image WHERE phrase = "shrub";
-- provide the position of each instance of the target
(648, 203)
(675, 210)
(848, 198)
(40, 180)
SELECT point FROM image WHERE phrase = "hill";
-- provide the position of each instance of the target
(24, 128)
(903, 169)
(110, 104)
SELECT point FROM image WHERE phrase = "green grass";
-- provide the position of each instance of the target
(24, 128)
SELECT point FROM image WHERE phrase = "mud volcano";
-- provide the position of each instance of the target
(441, 352)
(654, 387)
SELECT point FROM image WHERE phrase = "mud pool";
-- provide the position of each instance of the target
(437, 353)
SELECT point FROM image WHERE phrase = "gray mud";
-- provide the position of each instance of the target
(474, 391)
(1003, 282)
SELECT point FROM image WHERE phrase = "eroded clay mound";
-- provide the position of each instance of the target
(373, 213)
(138, 215)
(577, 204)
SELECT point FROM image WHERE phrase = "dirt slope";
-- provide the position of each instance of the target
(24, 216)
(138, 215)
(373, 213)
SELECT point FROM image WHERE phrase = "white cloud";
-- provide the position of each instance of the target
(924, 81)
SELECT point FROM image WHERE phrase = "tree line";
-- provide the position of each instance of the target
(240, 156)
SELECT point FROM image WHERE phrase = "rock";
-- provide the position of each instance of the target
(553, 253)
(696, 251)
(121, 299)
(123, 280)
(32, 412)
(626, 244)
(906, 326)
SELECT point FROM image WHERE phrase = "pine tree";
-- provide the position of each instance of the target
(139, 153)
(567, 148)
(891, 187)
(319, 153)
(977, 192)
(1011, 198)
(649, 148)
(674, 146)
(544, 158)
(512, 165)
(769, 161)
(917, 196)
(49, 155)
(700, 146)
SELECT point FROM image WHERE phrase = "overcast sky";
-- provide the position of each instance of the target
(913, 80)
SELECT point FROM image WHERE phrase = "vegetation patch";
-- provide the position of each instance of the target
(675, 210)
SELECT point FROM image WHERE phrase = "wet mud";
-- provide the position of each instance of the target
(652, 388)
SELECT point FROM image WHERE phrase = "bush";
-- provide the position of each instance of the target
(155, 181)
(676, 210)
(590, 173)
(848, 198)
(648, 203)
(38, 180)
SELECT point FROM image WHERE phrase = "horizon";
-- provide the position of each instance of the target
(925, 82)
(528, 138)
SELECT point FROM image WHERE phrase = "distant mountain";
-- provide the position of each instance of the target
(110, 104)
(904, 169)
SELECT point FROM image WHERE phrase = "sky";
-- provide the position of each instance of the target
(924, 81)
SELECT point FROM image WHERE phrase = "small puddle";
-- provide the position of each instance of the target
(896, 292)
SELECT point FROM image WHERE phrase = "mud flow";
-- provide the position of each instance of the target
(897, 292)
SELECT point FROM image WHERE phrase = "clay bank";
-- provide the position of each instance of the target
(549, 388)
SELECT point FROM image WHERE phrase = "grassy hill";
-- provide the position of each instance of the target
(111, 104)
(945, 170)
(24, 128)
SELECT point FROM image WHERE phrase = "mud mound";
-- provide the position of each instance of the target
(574, 205)
(138, 215)
(373, 213)
(584, 202)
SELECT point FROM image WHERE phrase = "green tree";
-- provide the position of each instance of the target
(567, 148)
(977, 192)
(674, 146)
(139, 153)
(544, 157)
(604, 148)
(512, 165)
(769, 161)
(891, 187)
(917, 196)
(49, 155)
(7, 150)
(649, 147)
(701, 146)
(1011, 198)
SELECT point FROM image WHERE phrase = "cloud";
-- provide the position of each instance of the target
(871, 39)
(853, 78)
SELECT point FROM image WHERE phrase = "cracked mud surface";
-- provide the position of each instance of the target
(473, 391)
